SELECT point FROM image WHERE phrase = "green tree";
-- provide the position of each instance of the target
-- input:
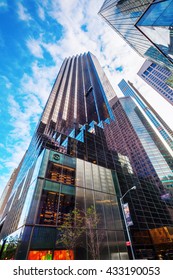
(71, 230)
(93, 239)
(75, 224)
(10, 248)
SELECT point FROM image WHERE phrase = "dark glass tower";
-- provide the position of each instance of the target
(82, 88)
(69, 163)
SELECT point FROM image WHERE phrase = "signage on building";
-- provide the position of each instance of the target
(56, 157)
(127, 215)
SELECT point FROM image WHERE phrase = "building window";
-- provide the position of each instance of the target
(54, 207)
(40, 255)
(63, 255)
(61, 174)
(49, 255)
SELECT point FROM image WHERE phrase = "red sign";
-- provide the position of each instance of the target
(128, 243)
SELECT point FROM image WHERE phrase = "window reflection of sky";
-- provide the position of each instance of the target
(156, 24)
(156, 158)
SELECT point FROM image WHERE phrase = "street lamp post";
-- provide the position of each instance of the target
(127, 228)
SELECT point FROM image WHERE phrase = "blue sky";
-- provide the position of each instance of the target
(35, 37)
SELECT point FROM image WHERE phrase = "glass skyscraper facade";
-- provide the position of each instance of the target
(156, 24)
(81, 98)
(70, 163)
(156, 76)
(67, 166)
(160, 158)
(62, 182)
(164, 132)
(142, 24)
(148, 105)
(131, 135)
(136, 138)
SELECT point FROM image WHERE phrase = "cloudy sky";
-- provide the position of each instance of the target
(35, 37)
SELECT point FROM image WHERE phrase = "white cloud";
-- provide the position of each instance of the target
(23, 13)
(8, 84)
(41, 13)
(34, 47)
(41, 81)
(22, 119)
(100, 39)
(19, 120)
(20, 135)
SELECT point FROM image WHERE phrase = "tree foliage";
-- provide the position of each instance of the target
(10, 248)
(71, 229)
(91, 222)
(75, 224)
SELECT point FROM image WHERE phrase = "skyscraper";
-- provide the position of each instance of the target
(69, 165)
(162, 128)
(131, 135)
(81, 98)
(135, 138)
(154, 19)
(164, 124)
(142, 25)
(156, 76)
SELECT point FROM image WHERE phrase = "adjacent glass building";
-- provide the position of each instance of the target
(132, 135)
(143, 26)
(156, 24)
(158, 155)
(157, 77)
(70, 164)
(148, 105)
(162, 128)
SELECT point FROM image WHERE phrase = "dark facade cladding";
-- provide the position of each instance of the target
(78, 95)
(63, 182)
(142, 24)
(95, 176)
(74, 161)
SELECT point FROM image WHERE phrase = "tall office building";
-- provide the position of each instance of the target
(143, 26)
(148, 105)
(157, 76)
(162, 128)
(136, 138)
(69, 164)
